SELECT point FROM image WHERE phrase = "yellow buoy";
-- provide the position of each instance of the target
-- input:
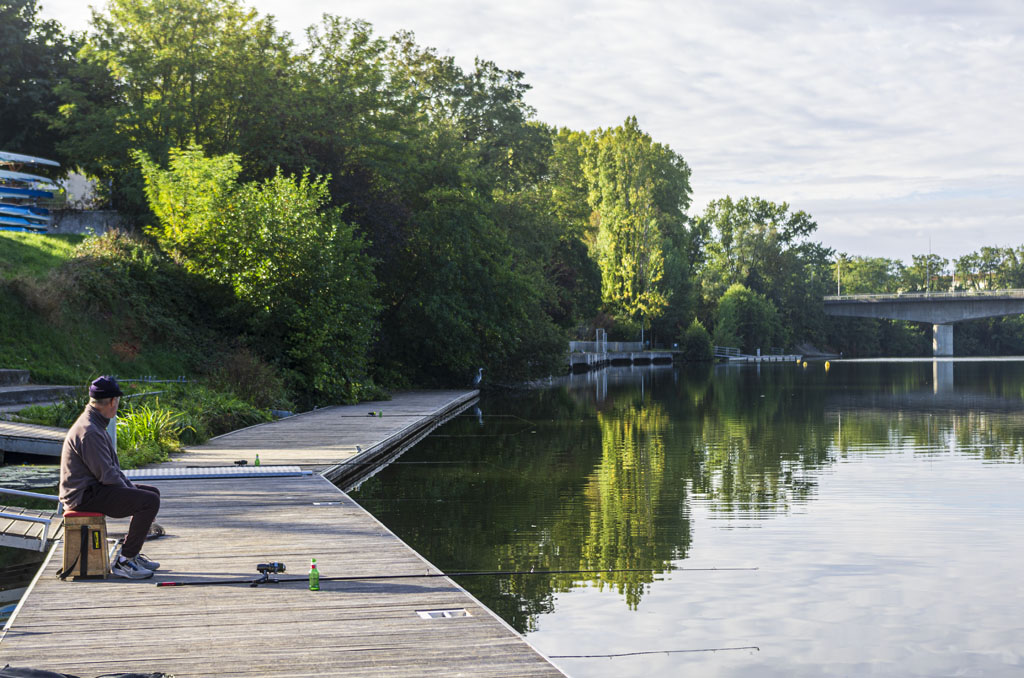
(827, 365)
(805, 364)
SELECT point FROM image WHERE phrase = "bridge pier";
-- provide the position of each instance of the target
(942, 340)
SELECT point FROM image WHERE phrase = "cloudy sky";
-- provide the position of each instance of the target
(897, 124)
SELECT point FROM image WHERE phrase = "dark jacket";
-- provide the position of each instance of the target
(88, 458)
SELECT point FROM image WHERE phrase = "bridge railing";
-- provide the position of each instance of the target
(1015, 293)
(605, 346)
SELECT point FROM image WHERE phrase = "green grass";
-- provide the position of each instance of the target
(73, 308)
(33, 255)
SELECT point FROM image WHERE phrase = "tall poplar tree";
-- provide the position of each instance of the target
(638, 191)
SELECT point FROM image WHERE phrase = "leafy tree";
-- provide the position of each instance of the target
(575, 276)
(34, 55)
(639, 191)
(464, 274)
(157, 74)
(989, 268)
(928, 272)
(868, 275)
(746, 319)
(294, 261)
(765, 247)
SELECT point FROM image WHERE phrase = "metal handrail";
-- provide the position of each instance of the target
(33, 519)
(33, 495)
(927, 295)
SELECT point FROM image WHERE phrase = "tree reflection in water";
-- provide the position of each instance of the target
(603, 470)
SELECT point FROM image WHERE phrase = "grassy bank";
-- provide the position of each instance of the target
(72, 308)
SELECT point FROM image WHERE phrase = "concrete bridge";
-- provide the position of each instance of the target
(941, 309)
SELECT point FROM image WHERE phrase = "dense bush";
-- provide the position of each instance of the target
(695, 344)
(298, 267)
(211, 413)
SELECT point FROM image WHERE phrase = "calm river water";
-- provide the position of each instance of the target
(882, 504)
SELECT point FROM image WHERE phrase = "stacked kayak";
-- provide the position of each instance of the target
(21, 191)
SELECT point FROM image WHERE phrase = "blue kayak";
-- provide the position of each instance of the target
(23, 212)
(18, 222)
(18, 158)
(12, 192)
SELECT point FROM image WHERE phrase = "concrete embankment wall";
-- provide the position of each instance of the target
(86, 222)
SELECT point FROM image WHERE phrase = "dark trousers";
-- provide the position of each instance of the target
(140, 502)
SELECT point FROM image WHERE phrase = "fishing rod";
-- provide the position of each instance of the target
(266, 569)
(754, 648)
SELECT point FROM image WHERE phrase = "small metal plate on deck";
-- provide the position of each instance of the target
(443, 614)
(199, 472)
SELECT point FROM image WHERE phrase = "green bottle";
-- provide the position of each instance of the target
(257, 460)
(314, 576)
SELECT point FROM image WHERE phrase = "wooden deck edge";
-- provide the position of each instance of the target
(43, 447)
(24, 598)
(522, 638)
(352, 472)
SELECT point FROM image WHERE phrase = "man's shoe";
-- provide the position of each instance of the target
(130, 569)
(145, 562)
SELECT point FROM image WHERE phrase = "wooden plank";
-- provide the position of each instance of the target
(31, 439)
(20, 430)
(220, 529)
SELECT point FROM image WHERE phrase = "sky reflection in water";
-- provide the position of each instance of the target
(881, 503)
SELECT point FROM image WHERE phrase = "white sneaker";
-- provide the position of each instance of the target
(145, 562)
(130, 569)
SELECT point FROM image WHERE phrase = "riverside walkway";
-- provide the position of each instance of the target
(220, 528)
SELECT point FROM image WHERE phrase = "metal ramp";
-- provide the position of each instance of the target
(205, 472)
(30, 529)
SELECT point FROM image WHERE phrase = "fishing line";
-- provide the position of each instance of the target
(488, 573)
(373, 463)
(633, 654)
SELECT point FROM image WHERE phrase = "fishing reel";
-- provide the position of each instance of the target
(267, 569)
(270, 568)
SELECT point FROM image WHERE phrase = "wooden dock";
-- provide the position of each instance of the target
(342, 443)
(221, 528)
(30, 439)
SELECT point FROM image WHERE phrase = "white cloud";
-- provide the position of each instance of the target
(885, 120)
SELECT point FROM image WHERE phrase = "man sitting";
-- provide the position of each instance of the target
(91, 479)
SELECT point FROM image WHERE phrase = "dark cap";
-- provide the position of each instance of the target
(105, 387)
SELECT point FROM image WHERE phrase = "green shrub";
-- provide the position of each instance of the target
(212, 412)
(146, 452)
(63, 413)
(285, 253)
(695, 344)
(254, 381)
(147, 434)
